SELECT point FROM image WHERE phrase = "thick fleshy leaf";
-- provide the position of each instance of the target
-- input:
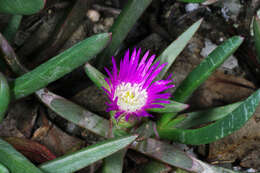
(123, 24)
(58, 66)
(169, 154)
(178, 170)
(74, 113)
(146, 130)
(3, 169)
(15, 161)
(194, 119)
(233, 121)
(174, 49)
(25, 7)
(84, 157)
(4, 96)
(114, 163)
(153, 167)
(12, 27)
(96, 76)
(206, 68)
(87, 120)
(173, 106)
(202, 72)
(172, 155)
(256, 28)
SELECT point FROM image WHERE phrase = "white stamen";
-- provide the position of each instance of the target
(131, 97)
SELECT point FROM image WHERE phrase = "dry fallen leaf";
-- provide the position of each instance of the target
(34, 151)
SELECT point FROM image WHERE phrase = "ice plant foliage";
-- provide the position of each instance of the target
(131, 88)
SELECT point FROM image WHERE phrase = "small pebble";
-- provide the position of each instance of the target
(229, 64)
(93, 15)
(251, 170)
(236, 168)
(108, 21)
(191, 7)
(209, 47)
(71, 127)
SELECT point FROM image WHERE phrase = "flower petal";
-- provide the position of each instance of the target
(132, 89)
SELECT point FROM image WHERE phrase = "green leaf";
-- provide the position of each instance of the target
(123, 24)
(85, 119)
(174, 49)
(256, 29)
(169, 154)
(194, 119)
(84, 157)
(175, 121)
(233, 121)
(96, 76)
(4, 96)
(23, 7)
(74, 113)
(159, 150)
(164, 152)
(114, 163)
(3, 169)
(146, 130)
(192, 1)
(202, 72)
(178, 170)
(153, 167)
(206, 68)
(12, 27)
(173, 106)
(15, 161)
(58, 66)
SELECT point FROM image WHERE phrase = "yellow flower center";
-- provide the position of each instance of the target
(131, 97)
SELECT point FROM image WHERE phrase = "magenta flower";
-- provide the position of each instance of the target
(132, 90)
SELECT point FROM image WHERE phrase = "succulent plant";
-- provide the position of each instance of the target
(136, 91)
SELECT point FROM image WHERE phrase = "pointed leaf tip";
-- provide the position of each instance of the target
(241, 37)
(175, 48)
(58, 66)
(234, 119)
(86, 156)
